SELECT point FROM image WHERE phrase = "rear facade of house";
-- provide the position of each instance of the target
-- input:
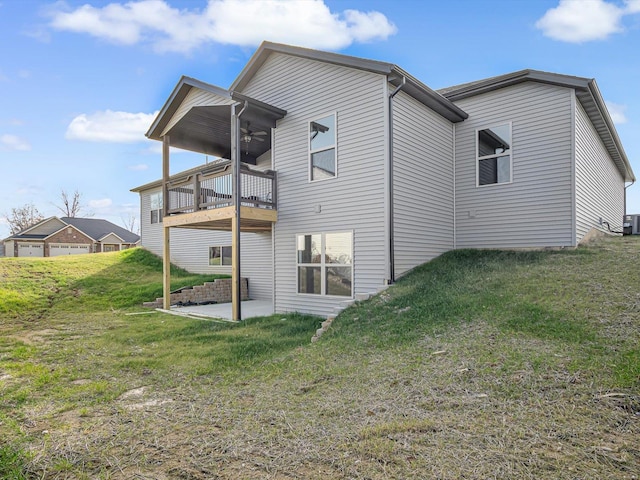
(377, 174)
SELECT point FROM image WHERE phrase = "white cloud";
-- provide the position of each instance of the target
(100, 203)
(632, 6)
(617, 112)
(138, 168)
(12, 142)
(110, 126)
(578, 21)
(308, 23)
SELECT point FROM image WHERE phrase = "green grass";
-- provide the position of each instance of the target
(479, 364)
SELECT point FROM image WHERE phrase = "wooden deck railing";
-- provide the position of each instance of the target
(212, 188)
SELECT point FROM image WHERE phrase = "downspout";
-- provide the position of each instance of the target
(625, 199)
(236, 287)
(392, 269)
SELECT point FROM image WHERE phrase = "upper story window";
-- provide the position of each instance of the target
(156, 207)
(494, 155)
(322, 148)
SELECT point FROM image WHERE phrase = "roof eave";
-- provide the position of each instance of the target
(427, 96)
(114, 234)
(600, 104)
(414, 87)
(267, 48)
(180, 91)
(586, 86)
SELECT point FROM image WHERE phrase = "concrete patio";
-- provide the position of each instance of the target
(249, 309)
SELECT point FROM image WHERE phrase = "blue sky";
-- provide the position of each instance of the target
(80, 81)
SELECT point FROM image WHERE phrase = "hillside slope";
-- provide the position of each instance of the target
(479, 364)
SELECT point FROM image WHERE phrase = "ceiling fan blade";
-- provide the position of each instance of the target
(261, 133)
(245, 131)
(258, 139)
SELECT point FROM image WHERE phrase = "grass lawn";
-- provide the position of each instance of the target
(480, 364)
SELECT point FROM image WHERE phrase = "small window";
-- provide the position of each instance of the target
(220, 256)
(156, 207)
(325, 264)
(494, 155)
(322, 148)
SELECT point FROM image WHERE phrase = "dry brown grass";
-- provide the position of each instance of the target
(478, 398)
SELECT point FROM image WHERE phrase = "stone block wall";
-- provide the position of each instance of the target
(218, 291)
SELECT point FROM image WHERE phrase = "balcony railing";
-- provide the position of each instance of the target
(213, 189)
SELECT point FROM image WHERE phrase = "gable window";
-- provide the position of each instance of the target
(324, 263)
(156, 207)
(322, 148)
(220, 256)
(494, 155)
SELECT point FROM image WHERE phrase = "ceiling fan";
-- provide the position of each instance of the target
(248, 135)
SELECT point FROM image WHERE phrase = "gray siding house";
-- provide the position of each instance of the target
(346, 173)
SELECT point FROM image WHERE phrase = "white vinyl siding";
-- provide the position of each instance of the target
(536, 208)
(9, 248)
(422, 183)
(599, 185)
(190, 250)
(355, 199)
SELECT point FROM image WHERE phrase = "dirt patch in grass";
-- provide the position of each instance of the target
(35, 336)
(482, 365)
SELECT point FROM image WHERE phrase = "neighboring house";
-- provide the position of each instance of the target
(354, 172)
(633, 221)
(69, 236)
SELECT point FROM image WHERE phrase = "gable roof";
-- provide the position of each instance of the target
(587, 93)
(65, 226)
(179, 93)
(206, 127)
(25, 233)
(396, 76)
(98, 228)
(94, 228)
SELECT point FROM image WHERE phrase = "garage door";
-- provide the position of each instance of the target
(57, 249)
(30, 250)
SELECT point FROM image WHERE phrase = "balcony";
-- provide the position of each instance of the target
(203, 199)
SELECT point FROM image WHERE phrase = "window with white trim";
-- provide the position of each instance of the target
(322, 148)
(220, 256)
(493, 155)
(156, 207)
(325, 263)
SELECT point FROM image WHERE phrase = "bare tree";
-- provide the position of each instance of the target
(71, 205)
(131, 223)
(24, 217)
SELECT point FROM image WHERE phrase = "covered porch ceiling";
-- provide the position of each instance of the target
(205, 127)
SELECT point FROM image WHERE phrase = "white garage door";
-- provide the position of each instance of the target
(57, 249)
(30, 250)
